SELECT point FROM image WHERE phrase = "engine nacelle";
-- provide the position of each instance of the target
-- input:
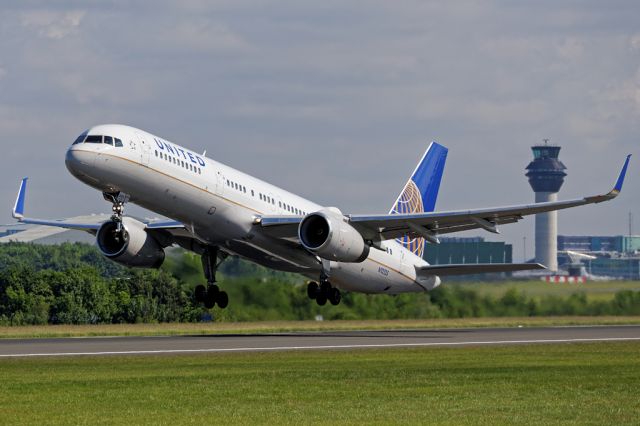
(131, 246)
(326, 234)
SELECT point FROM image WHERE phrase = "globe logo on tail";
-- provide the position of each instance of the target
(410, 201)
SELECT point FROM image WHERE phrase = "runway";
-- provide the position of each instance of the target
(348, 340)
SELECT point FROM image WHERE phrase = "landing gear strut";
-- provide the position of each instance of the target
(118, 200)
(323, 292)
(211, 294)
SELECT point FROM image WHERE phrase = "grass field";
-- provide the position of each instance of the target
(173, 329)
(591, 383)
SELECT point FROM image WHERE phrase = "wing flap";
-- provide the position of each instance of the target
(285, 227)
(480, 268)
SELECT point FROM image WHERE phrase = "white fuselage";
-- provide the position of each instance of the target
(219, 206)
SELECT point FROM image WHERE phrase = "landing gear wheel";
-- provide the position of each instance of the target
(210, 300)
(324, 292)
(312, 290)
(325, 288)
(321, 299)
(222, 299)
(335, 296)
(200, 293)
(214, 290)
(211, 259)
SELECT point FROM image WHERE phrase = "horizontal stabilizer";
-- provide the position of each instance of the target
(477, 268)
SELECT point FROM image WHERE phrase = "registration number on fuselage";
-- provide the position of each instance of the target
(383, 271)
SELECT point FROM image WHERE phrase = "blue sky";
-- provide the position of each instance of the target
(335, 100)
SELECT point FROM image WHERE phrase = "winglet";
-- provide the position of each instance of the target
(623, 172)
(18, 208)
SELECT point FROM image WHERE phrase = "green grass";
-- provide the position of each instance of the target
(593, 383)
(595, 290)
(176, 329)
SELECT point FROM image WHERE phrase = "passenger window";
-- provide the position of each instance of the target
(108, 140)
(93, 139)
(118, 143)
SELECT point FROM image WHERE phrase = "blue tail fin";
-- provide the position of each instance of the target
(421, 191)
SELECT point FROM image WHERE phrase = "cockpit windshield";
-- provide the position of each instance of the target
(93, 139)
(109, 140)
(80, 138)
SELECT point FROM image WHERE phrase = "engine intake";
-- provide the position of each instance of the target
(326, 234)
(131, 246)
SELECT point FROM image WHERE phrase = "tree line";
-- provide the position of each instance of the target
(75, 284)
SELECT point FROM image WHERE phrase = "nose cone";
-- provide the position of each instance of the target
(79, 162)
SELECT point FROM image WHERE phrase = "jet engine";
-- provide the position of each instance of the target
(326, 233)
(131, 245)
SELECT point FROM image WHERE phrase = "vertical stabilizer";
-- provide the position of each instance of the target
(421, 191)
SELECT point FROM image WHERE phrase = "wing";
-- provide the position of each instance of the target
(90, 224)
(430, 225)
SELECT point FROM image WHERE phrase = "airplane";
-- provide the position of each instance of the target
(217, 211)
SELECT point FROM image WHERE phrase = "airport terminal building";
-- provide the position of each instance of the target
(468, 250)
(616, 257)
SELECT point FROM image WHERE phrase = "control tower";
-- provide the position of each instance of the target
(546, 176)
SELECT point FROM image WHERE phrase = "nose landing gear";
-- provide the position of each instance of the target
(324, 292)
(211, 294)
(118, 200)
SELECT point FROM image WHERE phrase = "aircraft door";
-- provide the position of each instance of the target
(219, 183)
(145, 149)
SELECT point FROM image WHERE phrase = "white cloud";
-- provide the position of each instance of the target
(200, 35)
(570, 48)
(52, 24)
(634, 41)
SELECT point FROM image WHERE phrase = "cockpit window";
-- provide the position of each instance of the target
(80, 138)
(110, 140)
(93, 139)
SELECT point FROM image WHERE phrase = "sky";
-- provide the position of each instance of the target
(333, 100)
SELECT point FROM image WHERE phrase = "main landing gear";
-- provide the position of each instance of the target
(211, 295)
(323, 292)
